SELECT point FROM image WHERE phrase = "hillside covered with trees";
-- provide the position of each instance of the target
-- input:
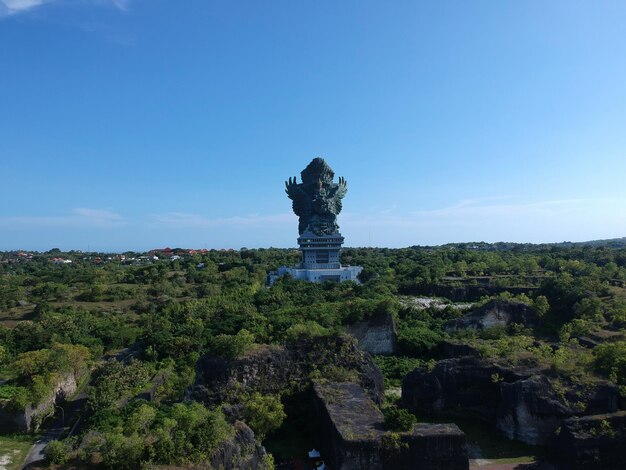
(130, 330)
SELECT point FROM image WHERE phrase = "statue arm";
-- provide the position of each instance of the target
(293, 189)
(342, 188)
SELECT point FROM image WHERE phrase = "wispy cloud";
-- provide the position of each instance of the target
(98, 214)
(182, 219)
(121, 4)
(79, 217)
(484, 207)
(14, 7)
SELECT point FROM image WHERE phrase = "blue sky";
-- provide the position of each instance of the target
(133, 124)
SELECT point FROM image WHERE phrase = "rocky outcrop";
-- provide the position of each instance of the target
(376, 335)
(521, 403)
(451, 349)
(596, 442)
(241, 452)
(529, 410)
(276, 369)
(29, 418)
(465, 383)
(495, 313)
(351, 436)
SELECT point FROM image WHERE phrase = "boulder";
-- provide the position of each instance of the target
(349, 431)
(466, 384)
(522, 403)
(595, 442)
(451, 349)
(529, 410)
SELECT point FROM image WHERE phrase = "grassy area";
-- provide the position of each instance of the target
(619, 292)
(13, 450)
(11, 317)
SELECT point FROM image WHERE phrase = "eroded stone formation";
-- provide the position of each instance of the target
(522, 403)
(350, 432)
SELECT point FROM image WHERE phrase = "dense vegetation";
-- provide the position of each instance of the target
(59, 318)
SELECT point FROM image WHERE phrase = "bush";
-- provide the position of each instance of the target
(306, 330)
(415, 341)
(232, 346)
(493, 332)
(610, 359)
(56, 453)
(398, 419)
(394, 368)
(264, 414)
(122, 452)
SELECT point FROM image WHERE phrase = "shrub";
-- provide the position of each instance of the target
(392, 442)
(415, 341)
(398, 419)
(306, 330)
(264, 414)
(492, 332)
(610, 359)
(394, 368)
(232, 346)
(56, 453)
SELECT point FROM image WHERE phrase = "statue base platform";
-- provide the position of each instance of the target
(340, 274)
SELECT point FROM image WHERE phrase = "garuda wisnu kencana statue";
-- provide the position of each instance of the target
(317, 200)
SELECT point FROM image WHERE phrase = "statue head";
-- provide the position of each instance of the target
(317, 171)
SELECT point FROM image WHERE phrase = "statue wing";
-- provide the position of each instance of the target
(338, 192)
(301, 203)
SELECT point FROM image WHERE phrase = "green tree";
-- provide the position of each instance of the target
(232, 346)
(541, 305)
(610, 359)
(264, 414)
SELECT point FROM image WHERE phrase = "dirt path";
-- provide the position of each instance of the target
(513, 466)
(476, 459)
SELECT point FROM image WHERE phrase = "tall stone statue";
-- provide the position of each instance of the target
(317, 200)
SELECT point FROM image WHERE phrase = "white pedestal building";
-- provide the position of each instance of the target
(320, 261)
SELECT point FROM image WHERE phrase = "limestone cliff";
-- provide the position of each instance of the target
(522, 403)
(28, 419)
(276, 369)
(376, 335)
(241, 452)
(495, 313)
